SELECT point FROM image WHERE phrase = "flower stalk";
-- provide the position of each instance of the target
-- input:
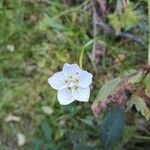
(82, 52)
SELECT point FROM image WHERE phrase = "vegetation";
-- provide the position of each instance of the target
(36, 38)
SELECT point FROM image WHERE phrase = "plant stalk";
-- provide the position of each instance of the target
(82, 52)
(142, 137)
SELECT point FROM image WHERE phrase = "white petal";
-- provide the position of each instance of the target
(85, 79)
(65, 97)
(21, 139)
(71, 69)
(82, 94)
(57, 81)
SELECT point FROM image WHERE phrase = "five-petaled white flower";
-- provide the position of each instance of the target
(72, 84)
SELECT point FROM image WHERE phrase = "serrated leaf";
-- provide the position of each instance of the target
(141, 106)
(112, 127)
(107, 89)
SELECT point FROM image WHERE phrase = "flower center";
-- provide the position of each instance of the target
(72, 82)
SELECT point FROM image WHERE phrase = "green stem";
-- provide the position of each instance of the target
(149, 33)
(82, 51)
(81, 57)
(142, 137)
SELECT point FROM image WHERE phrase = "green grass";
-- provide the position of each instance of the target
(45, 35)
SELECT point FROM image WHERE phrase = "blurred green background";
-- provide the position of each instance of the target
(36, 38)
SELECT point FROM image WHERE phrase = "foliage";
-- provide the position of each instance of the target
(36, 38)
(141, 106)
(112, 128)
(147, 83)
(127, 19)
(107, 88)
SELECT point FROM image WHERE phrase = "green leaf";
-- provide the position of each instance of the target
(147, 83)
(130, 18)
(48, 22)
(107, 89)
(115, 21)
(126, 19)
(80, 147)
(112, 128)
(141, 106)
(63, 144)
(88, 121)
(37, 144)
(147, 80)
(128, 133)
(136, 78)
(46, 131)
(147, 91)
(129, 105)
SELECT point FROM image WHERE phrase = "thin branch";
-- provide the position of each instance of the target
(149, 33)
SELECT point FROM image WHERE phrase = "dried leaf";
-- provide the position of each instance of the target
(116, 90)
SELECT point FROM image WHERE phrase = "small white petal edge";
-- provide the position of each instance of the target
(71, 69)
(85, 79)
(82, 94)
(57, 81)
(65, 97)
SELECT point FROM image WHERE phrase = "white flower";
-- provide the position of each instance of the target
(72, 84)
